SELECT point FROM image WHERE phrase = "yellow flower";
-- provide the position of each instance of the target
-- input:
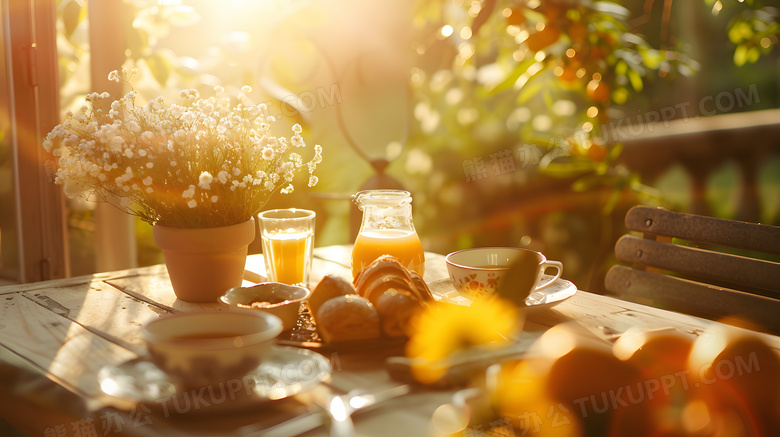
(445, 329)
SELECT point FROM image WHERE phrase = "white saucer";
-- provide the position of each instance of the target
(538, 301)
(285, 372)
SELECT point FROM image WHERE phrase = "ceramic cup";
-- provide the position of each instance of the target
(198, 349)
(281, 300)
(515, 271)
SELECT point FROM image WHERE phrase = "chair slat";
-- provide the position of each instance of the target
(693, 297)
(703, 264)
(732, 233)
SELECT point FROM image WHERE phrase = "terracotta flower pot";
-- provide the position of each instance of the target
(203, 263)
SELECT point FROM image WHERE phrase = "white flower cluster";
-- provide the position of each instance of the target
(205, 162)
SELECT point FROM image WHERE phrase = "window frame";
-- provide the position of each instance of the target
(34, 95)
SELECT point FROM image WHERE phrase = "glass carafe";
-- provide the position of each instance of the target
(387, 228)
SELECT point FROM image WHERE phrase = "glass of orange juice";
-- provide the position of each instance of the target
(387, 229)
(288, 242)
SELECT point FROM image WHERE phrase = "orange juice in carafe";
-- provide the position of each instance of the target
(403, 245)
(386, 229)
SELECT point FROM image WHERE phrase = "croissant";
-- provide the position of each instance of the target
(387, 272)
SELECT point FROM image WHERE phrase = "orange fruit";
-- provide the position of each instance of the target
(661, 356)
(582, 373)
(597, 153)
(738, 375)
(654, 352)
(568, 73)
(551, 10)
(521, 396)
(597, 53)
(578, 32)
(598, 91)
(542, 39)
(516, 16)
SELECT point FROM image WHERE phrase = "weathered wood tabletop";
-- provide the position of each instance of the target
(55, 336)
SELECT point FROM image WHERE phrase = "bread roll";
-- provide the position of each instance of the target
(346, 318)
(329, 287)
(396, 308)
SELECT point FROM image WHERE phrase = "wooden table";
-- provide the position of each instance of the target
(57, 335)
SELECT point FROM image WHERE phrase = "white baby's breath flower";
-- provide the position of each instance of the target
(147, 137)
(286, 167)
(316, 160)
(202, 141)
(188, 117)
(133, 127)
(204, 181)
(116, 141)
(180, 137)
(189, 192)
(114, 76)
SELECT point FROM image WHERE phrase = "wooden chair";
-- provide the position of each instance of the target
(712, 282)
